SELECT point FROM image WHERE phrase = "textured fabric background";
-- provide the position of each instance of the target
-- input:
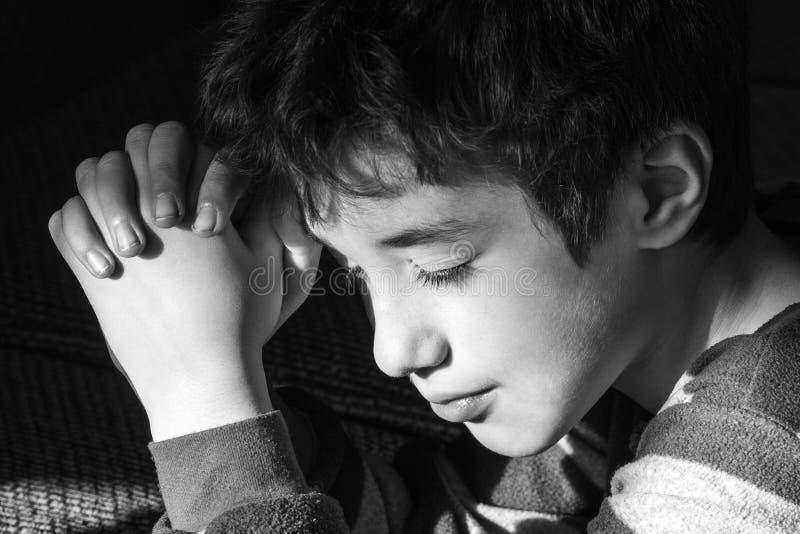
(73, 437)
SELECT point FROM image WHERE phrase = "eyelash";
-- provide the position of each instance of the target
(433, 279)
(442, 277)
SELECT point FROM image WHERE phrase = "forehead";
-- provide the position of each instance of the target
(401, 201)
(423, 215)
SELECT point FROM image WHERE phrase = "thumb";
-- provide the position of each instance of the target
(258, 233)
(300, 259)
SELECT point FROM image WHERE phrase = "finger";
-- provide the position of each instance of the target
(55, 225)
(259, 236)
(115, 185)
(56, 233)
(203, 157)
(85, 176)
(84, 241)
(170, 156)
(85, 179)
(219, 192)
(293, 233)
(137, 145)
(300, 260)
(241, 208)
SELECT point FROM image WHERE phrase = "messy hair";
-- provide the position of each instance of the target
(553, 92)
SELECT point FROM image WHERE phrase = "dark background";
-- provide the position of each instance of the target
(53, 50)
(50, 50)
(74, 77)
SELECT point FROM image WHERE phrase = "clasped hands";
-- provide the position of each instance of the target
(174, 299)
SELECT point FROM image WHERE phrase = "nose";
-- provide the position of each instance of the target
(404, 344)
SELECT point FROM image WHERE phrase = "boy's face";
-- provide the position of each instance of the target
(529, 338)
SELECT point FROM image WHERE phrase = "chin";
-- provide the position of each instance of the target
(513, 441)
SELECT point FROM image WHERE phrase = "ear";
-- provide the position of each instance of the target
(667, 185)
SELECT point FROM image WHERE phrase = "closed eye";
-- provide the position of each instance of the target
(434, 279)
(442, 277)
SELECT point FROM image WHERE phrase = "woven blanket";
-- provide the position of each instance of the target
(73, 436)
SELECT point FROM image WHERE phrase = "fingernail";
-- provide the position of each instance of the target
(100, 265)
(126, 237)
(166, 207)
(206, 219)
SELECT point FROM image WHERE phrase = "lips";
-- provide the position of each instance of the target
(462, 408)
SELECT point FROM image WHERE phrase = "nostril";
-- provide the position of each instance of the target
(423, 372)
(439, 357)
(399, 365)
(392, 360)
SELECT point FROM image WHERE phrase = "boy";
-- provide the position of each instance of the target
(601, 147)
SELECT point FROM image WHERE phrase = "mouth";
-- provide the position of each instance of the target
(462, 408)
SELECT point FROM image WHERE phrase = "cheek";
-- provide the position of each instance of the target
(553, 348)
(541, 327)
(544, 388)
(583, 342)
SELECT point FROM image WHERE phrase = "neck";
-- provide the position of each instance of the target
(715, 298)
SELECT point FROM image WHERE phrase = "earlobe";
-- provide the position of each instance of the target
(671, 180)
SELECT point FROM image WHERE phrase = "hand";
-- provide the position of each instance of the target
(183, 322)
(165, 157)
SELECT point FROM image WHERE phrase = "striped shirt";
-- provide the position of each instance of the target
(721, 455)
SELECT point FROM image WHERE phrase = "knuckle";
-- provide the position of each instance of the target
(109, 159)
(74, 225)
(72, 212)
(53, 223)
(78, 241)
(72, 206)
(222, 196)
(139, 136)
(219, 184)
(220, 175)
(170, 129)
(164, 169)
(84, 171)
(216, 188)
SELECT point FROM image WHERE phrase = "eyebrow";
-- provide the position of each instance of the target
(444, 231)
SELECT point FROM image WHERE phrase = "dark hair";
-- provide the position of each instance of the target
(554, 91)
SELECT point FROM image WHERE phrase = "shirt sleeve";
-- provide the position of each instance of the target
(264, 475)
(207, 474)
(706, 468)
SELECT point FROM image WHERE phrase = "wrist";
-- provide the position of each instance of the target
(194, 405)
